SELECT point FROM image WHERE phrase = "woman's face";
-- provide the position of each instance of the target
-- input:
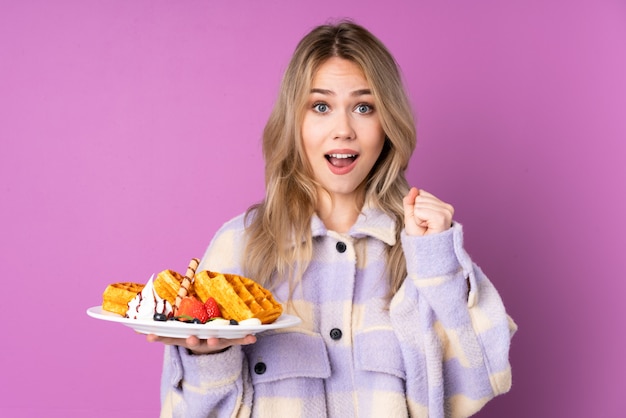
(341, 131)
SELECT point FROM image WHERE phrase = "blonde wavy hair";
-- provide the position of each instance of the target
(279, 245)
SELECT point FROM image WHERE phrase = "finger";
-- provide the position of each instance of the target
(248, 339)
(164, 340)
(426, 200)
(434, 220)
(214, 342)
(432, 216)
(192, 342)
(197, 345)
(433, 206)
(424, 193)
(425, 196)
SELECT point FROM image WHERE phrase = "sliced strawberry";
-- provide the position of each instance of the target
(212, 309)
(191, 308)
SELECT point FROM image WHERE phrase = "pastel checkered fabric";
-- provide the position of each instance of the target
(434, 350)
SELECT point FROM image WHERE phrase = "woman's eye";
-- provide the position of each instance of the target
(320, 107)
(364, 108)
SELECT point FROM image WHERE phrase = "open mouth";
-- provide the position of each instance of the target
(341, 160)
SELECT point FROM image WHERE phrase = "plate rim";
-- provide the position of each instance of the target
(179, 329)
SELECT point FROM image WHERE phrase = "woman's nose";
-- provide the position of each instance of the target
(343, 128)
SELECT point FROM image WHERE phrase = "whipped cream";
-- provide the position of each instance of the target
(250, 322)
(218, 321)
(147, 303)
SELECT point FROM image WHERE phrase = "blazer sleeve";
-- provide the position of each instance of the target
(453, 327)
(200, 386)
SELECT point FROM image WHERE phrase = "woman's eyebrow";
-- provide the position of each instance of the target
(361, 92)
(355, 93)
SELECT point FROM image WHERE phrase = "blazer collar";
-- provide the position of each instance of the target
(371, 222)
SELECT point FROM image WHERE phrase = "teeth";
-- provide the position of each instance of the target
(342, 155)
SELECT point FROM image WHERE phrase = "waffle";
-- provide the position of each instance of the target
(238, 297)
(167, 284)
(201, 284)
(117, 295)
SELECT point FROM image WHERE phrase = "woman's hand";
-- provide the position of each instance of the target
(198, 346)
(424, 214)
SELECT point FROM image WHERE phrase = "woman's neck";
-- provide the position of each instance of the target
(339, 212)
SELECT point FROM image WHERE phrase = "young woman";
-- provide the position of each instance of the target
(396, 319)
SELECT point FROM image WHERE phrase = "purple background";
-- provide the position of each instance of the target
(130, 131)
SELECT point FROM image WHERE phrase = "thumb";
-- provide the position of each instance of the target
(411, 225)
(409, 199)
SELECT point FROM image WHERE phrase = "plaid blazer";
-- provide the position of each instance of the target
(438, 348)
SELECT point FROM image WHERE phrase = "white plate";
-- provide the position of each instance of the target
(179, 329)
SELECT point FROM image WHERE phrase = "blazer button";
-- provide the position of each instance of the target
(341, 247)
(260, 368)
(335, 333)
